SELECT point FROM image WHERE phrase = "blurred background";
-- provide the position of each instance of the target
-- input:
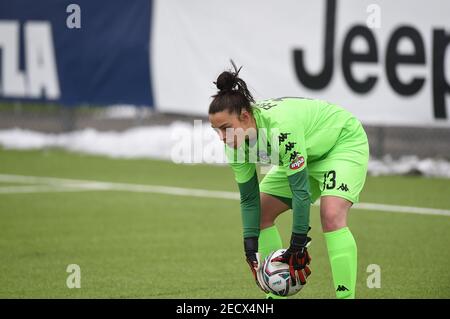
(98, 101)
(114, 65)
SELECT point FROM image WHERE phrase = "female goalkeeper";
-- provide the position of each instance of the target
(318, 149)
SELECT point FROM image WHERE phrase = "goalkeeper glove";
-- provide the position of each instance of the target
(253, 260)
(297, 257)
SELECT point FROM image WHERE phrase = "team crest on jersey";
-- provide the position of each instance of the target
(297, 163)
(263, 157)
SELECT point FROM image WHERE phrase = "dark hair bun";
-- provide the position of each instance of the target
(233, 93)
(226, 81)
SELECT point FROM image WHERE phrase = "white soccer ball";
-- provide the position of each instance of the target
(276, 278)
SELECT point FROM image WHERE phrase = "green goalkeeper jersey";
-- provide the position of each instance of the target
(291, 132)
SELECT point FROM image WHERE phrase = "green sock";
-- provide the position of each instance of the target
(269, 240)
(343, 259)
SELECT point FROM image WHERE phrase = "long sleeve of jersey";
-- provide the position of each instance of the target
(247, 180)
(250, 206)
(301, 202)
(294, 161)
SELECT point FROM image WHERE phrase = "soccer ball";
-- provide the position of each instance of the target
(276, 278)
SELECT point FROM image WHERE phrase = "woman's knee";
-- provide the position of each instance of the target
(333, 220)
(333, 213)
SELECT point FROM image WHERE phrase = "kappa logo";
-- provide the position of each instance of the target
(341, 288)
(298, 163)
(343, 187)
(289, 146)
(282, 137)
(294, 155)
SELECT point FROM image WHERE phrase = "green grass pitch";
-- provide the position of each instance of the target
(145, 245)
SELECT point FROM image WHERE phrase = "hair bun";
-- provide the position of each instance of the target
(226, 81)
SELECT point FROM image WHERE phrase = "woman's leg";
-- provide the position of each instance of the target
(269, 237)
(275, 182)
(341, 245)
(271, 208)
(343, 174)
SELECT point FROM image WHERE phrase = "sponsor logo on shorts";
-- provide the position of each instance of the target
(298, 163)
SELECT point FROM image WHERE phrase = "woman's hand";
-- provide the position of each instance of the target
(253, 260)
(297, 257)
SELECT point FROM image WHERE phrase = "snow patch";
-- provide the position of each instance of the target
(179, 142)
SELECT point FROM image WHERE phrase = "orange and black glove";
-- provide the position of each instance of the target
(297, 257)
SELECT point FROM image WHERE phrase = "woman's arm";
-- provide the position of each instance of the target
(292, 148)
(247, 179)
(301, 201)
(250, 206)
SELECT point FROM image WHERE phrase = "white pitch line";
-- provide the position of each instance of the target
(97, 185)
(402, 209)
(51, 184)
(35, 189)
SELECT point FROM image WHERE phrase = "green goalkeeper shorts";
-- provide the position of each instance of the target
(341, 172)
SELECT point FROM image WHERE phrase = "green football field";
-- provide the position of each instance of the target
(139, 242)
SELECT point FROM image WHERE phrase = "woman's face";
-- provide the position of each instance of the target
(233, 129)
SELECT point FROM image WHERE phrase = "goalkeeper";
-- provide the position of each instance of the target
(318, 149)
